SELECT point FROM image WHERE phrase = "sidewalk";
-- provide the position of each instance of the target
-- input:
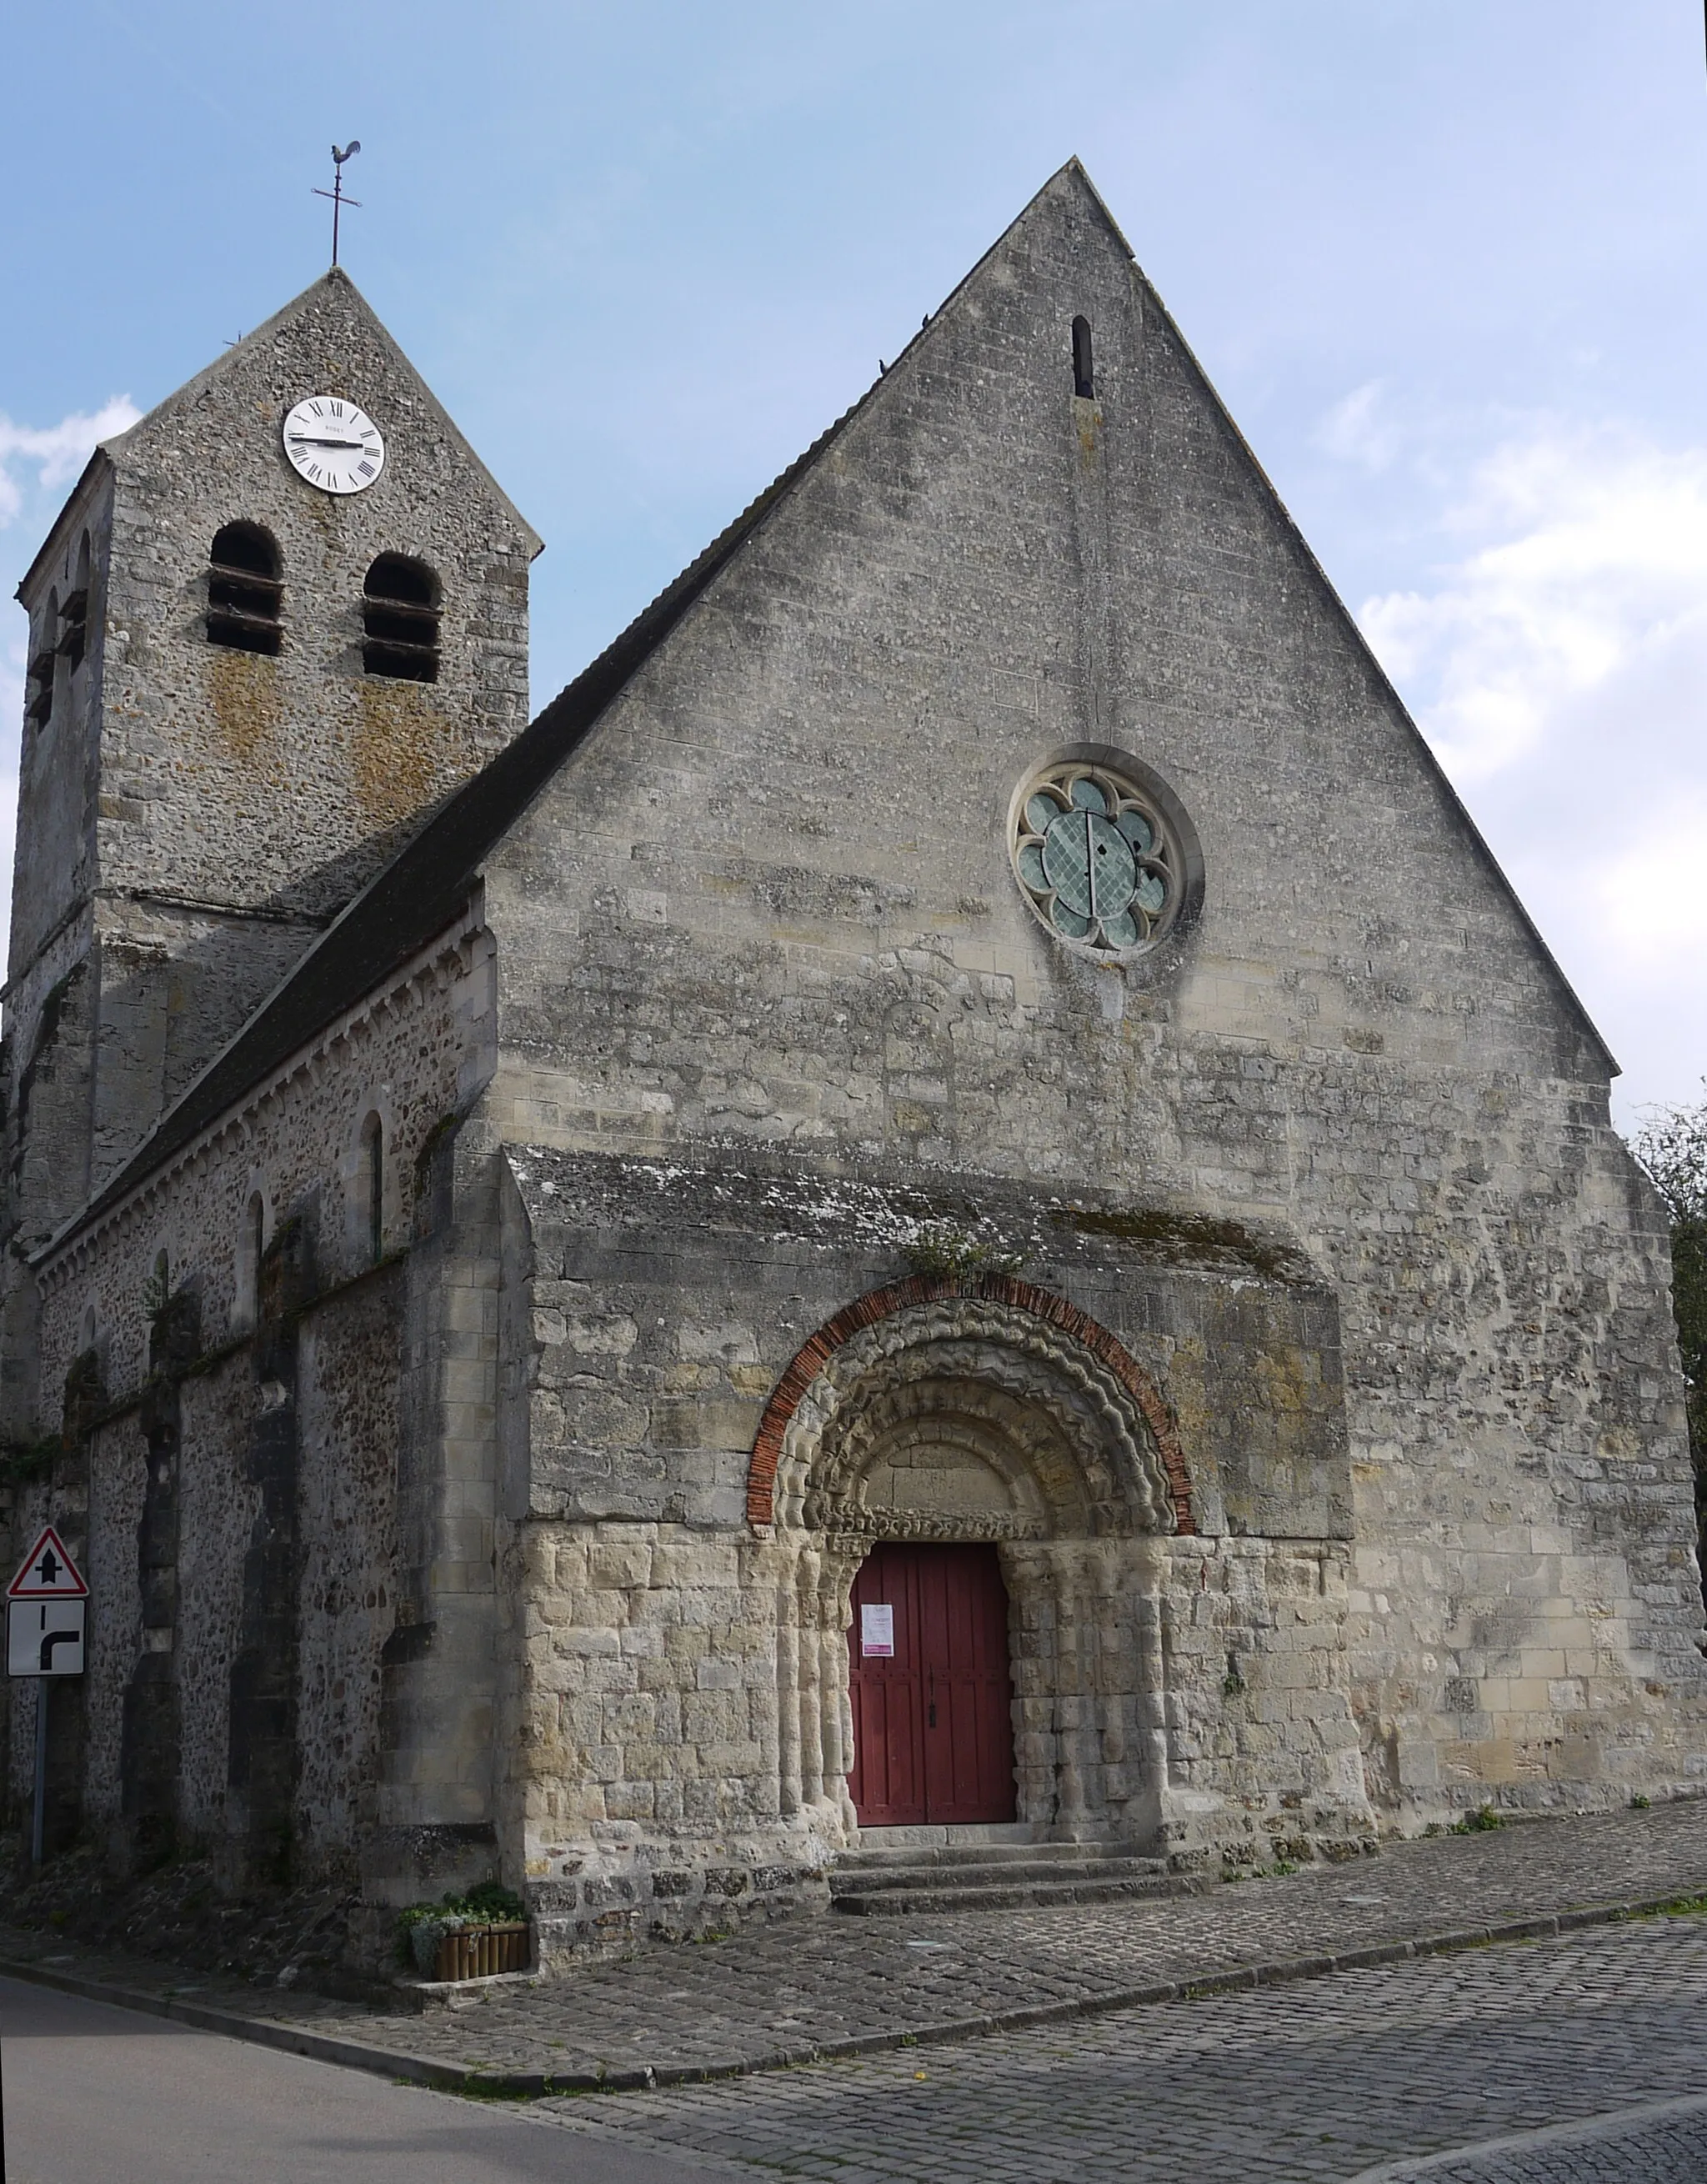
(812, 1987)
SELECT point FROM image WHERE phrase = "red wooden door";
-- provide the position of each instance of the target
(933, 1734)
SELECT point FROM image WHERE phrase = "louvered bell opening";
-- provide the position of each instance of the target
(40, 702)
(74, 637)
(245, 590)
(400, 620)
(243, 610)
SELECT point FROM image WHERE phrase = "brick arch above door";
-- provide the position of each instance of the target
(876, 1305)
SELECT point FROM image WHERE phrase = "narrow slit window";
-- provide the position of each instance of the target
(254, 1246)
(400, 619)
(1084, 377)
(246, 590)
(374, 1177)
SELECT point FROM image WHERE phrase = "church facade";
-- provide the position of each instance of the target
(952, 1197)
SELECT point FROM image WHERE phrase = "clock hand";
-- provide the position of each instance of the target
(297, 440)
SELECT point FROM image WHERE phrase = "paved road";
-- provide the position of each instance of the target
(1322, 2081)
(773, 1994)
(807, 1982)
(1302, 2084)
(1662, 2142)
(101, 2095)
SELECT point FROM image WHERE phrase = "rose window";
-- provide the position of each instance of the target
(1097, 861)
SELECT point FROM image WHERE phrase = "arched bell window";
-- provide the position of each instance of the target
(246, 590)
(400, 619)
(38, 702)
(74, 613)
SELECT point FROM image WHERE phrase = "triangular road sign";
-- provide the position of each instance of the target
(47, 1572)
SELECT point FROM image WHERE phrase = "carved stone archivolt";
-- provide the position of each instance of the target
(1033, 1345)
(962, 1415)
(1029, 1414)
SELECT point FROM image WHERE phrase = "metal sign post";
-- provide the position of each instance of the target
(46, 1611)
(38, 1803)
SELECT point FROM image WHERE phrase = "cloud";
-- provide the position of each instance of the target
(1558, 666)
(57, 452)
(1358, 430)
(1596, 569)
(13, 654)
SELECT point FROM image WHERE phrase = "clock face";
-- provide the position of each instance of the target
(333, 445)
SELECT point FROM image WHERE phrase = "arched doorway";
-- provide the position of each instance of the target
(999, 1419)
(930, 1688)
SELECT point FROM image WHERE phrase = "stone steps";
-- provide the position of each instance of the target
(980, 1872)
(906, 1882)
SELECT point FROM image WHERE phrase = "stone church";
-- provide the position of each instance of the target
(951, 1207)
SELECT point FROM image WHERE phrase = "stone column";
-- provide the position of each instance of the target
(809, 1708)
(1111, 1672)
(837, 1594)
(1071, 1703)
(1032, 1635)
(788, 1689)
(1147, 1566)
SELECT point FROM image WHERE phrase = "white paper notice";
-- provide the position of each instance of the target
(877, 1633)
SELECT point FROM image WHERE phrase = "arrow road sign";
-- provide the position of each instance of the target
(45, 1637)
(47, 1573)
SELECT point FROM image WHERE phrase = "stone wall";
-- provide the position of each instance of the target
(280, 784)
(680, 1704)
(191, 815)
(351, 1572)
(414, 1053)
(769, 904)
(765, 1179)
(241, 1478)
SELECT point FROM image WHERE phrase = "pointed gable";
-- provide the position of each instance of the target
(329, 335)
(975, 565)
(984, 566)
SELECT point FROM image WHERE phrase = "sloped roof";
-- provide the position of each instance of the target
(427, 884)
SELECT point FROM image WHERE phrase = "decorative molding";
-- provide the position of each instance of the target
(877, 1306)
(835, 1513)
(453, 955)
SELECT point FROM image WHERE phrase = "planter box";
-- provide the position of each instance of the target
(478, 1952)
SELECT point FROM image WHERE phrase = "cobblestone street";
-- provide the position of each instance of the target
(1657, 2142)
(772, 1995)
(1296, 2064)
(1321, 2080)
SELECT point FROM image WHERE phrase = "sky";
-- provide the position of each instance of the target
(1443, 259)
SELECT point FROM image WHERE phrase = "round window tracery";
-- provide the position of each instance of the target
(1096, 859)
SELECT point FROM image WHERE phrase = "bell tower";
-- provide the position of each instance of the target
(276, 623)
